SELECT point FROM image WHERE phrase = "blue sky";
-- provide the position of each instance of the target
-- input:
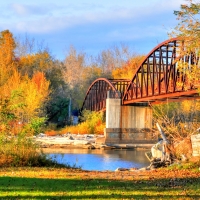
(91, 26)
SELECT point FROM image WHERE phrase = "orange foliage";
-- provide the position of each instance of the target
(7, 46)
(16, 127)
(38, 79)
(127, 71)
(34, 62)
(41, 83)
(99, 130)
(51, 133)
(83, 128)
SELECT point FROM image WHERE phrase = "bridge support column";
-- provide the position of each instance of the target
(128, 124)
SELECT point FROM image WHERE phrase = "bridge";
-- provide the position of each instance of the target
(126, 102)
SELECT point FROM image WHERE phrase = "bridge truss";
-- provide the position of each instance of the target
(157, 79)
(95, 99)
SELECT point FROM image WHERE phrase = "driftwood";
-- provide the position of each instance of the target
(162, 133)
(166, 149)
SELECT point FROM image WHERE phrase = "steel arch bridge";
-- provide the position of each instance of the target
(157, 79)
(95, 99)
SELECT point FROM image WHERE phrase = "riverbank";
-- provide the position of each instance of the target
(82, 141)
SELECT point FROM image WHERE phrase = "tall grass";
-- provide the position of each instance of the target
(19, 151)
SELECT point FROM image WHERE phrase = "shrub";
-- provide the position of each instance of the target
(92, 123)
(37, 124)
(18, 151)
(93, 119)
(51, 133)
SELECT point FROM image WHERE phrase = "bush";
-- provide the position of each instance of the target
(20, 151)
(94, 120)
(92, 123)
(51, 133)
(37, 124)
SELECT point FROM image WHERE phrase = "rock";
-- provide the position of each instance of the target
(121, 169)
(70, 137)
(143, 169)
(41, 135)
(89, 147)
(133, 169)
(77, 142)
(107, 147)
(100, 140)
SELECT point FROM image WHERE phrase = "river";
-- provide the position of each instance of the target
(99, 159)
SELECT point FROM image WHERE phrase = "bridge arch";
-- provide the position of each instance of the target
(158, 78)
(95, 99)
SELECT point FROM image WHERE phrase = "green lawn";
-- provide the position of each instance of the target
(62, 184)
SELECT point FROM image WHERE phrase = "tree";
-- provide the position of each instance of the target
(21, 98)
(188, 31)
(180, 120)
(28, 46)
(75, 73)
(113, 58)
(7, 57)
(31, 63)
(127, 70)
(7, 47)
(74, 64)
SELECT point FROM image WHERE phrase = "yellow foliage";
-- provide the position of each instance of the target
(35, 93)
(83, 128)
(127, 71)
(31, 63)
(7, 46)
(188, 106)
(100, 129)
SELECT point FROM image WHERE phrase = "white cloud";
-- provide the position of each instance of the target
(42, 18)
(89, 21)
(20, 9)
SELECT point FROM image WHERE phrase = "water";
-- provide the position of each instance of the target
(100, 160)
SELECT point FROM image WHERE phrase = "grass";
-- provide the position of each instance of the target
(62, 183)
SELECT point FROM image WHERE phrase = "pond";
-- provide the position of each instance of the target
(99, 159)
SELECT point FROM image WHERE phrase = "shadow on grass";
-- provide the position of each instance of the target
(36, 188)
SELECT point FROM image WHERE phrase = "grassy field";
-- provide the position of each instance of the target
(55, 183)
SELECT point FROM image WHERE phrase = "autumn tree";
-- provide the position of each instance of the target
(181, 119)
(113, 58)
(188, 31)
(73, 73)
(21, 96)
(7, 57)
(188, 26)
(31, 63)
(74, 63)
(35, 57)
(128, 69)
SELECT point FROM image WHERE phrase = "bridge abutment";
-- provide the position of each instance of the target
(128, 124)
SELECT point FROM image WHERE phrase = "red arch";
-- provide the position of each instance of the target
(95, 99)
(157, 78)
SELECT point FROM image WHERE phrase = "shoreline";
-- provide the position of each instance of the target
(83, 142)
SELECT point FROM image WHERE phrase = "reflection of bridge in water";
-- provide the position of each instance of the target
(157, 79)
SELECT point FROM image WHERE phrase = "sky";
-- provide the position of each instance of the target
(91, 26)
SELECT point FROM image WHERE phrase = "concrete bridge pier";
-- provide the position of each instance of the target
(128, 124)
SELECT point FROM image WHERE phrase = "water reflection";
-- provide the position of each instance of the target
(99, 159)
